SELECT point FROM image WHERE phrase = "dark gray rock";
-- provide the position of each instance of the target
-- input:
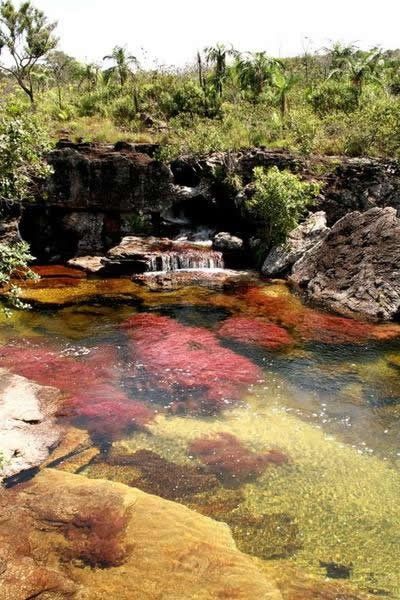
(355, 270)
(300, 240)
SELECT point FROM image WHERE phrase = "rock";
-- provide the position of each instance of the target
(226, 241)
(210, 278)
(87, 228)
(89, 264)
(355, 270)
(28, 429)
(299, 241)
(70, 536)
(140, 254)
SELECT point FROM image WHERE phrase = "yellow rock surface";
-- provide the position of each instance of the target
(105, 540)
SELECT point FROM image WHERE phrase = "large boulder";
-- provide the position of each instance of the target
(66, 536)
(299, 241)
(355, 269)
(28, 430)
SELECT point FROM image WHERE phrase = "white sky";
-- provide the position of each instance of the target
(172, 30)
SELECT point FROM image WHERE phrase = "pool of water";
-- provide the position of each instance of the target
(246, 406)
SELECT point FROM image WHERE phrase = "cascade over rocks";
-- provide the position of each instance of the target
(138, 255)
(355, 269)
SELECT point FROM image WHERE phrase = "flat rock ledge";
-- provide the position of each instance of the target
(218, 279)
(28, 429)
(355, 270)
(85, 538)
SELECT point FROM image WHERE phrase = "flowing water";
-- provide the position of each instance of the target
(290, 435)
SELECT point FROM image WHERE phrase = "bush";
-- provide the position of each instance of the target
(124, 111)
(280, 199)
(333, 96)
(13, 262)
(23, 142)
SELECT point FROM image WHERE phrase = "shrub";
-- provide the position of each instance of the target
(13, 261)
(23, 141)
(280, 199)
(333, 96)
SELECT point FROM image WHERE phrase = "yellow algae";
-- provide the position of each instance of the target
(345, 504)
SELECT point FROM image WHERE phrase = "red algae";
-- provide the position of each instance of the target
(255, 331)
(226, 456)
(58, 271)
(188, 363)
(315, 325)
(89, 395)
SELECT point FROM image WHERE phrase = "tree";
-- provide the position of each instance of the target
(122, 67)
(360, 67)
(62, 69)
(280, 199)
(217, 56)
(255, 72)
(89, 75)
(27, 37)
(283, 83)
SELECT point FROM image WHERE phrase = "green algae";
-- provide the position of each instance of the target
(345, 504)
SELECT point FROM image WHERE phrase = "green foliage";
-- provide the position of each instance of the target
(28, 37)
(333, 96)
(280, 199)
(14, 261)
(23, 142)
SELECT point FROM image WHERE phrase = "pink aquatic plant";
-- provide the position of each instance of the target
(228, 458)
(255, 331)
(188, 363)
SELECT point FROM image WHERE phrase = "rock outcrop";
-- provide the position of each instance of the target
(355, 269)
(96, 194)
(299, 241)
(100, 193)
(136, 545)
(28, 429)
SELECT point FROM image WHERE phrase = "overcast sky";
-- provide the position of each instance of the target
(172, 30)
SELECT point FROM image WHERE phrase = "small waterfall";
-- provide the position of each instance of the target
(185, 259)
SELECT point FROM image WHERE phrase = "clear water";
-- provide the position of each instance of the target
(331, 409)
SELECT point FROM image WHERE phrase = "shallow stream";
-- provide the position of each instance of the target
(291, 436)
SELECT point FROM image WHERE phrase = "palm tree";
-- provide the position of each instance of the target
(89, 75)
(339, 54)
(217, 56)
(122, 61)
(361, 67)
(283, 83)
(256, 72)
